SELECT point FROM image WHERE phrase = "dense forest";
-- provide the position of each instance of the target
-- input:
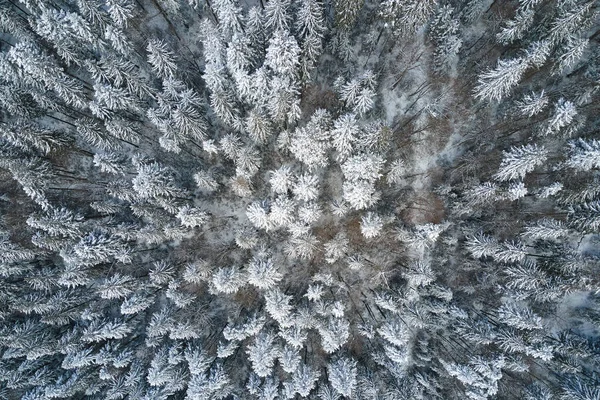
(286, 199)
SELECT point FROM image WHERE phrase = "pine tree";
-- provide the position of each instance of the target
(229, 17)
(263, 273)
(346, 13)
(240, 56)
(359, 93)
(304, 380)
(309, 213)
(214, 384)
(277, 15)
(363, 166)
(120, 11)
(110, 163)
(336, 248)
(571, 54)
(564, 113)
(480, 376)
(109, 99)
(283, 53)
(223, 103)
(302, 244)
(572, 18)
(495, 84)
(533, 103)
(289, 359)
(258, 126)
(334, 334)
(116, 287)
(443, 31)
(407, 16)
(308, 148)
(474, 9)
(227, 280)
(419, 274)
(585, 154)
(192, 217)
(282, 212)
(516, 28)
(98, 247)
(31, 137)
(306, 187)
(516, 190)
(345, 134)
(162, 60)
(281, 180)
(371, 225)
(231, 145)
(57, 222)
(577, 388)
(37, 65)
(482, 246)
(342, 376)
(278, 306)
(155, 181)
(262, 353)
(517, 162)
(519, 316)
(247, 162)
(71, 35)
(205, 181)
(360, 194)
(538, 52)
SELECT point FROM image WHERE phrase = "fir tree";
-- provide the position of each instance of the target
(342, 376)
(495, 84)
(517, 162)
(346, 12)
(584, 154)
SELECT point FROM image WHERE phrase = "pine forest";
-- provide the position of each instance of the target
(300, 199)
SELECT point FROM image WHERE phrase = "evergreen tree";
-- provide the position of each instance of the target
(407, 16)
(584, 154)
(345, 134)
(263, 273)
(342, 376)
(346, 13)
(516, 28)
(371, 225)
(443, 32)
(283, 53)
(497, 83)
(277, 15)
(263, 353)
(306, 187)
(162, 60)
(517, 162)
(564, 113)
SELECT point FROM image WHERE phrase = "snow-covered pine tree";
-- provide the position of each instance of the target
(495, 84)
(277, 15)
(516, 28)
(517, 162)
(161, 58)
(585, 154)
(345, 133)
(444, 33)
(343, 376)
(405, 17)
